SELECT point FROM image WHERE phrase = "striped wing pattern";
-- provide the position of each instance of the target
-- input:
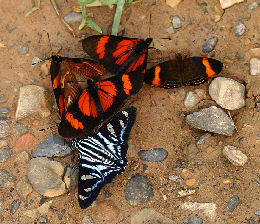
(102, 155)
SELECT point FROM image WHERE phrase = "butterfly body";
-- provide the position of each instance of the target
(183, 72)
(102, 155)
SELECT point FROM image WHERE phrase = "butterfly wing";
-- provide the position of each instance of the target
(118, 54)
(103, 155)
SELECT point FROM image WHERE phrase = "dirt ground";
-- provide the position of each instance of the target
(160, 112)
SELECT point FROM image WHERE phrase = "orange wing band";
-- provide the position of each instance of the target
(127, 84)
(209, 71)
(106, 93)
(87, 105)
(157, 80)
(74, 122)
(101, 46)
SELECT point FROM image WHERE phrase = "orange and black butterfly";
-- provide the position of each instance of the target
(84, 97)
(118, 54)
(183, 72)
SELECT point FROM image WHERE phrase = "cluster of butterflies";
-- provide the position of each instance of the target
(88, 92)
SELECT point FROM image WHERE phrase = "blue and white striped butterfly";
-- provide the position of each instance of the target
(102, 155)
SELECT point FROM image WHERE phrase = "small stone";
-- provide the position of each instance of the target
(176, 22)
(173, 3)
(53, 146)
(61, 214)
(42, 220)
(71, 178)
(23, 188)
(233, 203)
(138, 190)
(35, 61)
(87, 220)
(5, 118)
(190, 182)
(24, 142)
(252, 5)
(73, 17)
(46, 177)
(234, 155)
(45, 67)
(208, 209)
(153, 155)
(23, 50)
(4, 110)
(21, 128)
(227, 3)
(202, 139)
(255, 52)
(209, 45)
(170, 30)
(33, 100)
(3, 143)
(227, 93)
(5, 153)
(22, 157)
(240, 28)
(14, 206)
(6, 178)
(185, 193)
(191, 151)
(4, 129)
(42, 210)
(257, 212)
(195, 220)
(3, 98)
(254, 66)
(190, 99)
(212, 119)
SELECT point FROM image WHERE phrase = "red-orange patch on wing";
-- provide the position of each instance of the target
(209, 71)
(157, 80)
(61, 105)
(127, 84)
(136, 63)
(87, 105)
(106, 92)
(143, 72)
(56, 82)
(74, 122)
(101, 46)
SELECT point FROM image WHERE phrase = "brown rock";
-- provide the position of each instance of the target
(173, 3)
(23, 188)
(24, 142)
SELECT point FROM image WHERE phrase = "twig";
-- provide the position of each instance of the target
(58, 14)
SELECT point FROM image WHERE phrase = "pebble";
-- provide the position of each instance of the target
(252, 5)
(190, 99)
(73, 17)
(61, 214)
(228, 3)
(138, 190)
(149, 215)
(71, 178)
(191, 151)
(4, 129)
(87, 220)
(53, 146)
(170, 30)
(23, 188)
(33, 100)
(233, 203)
(5, 153)
(3, 98)
(22, 157)
(173, 3)
(23, 50)
(5, 118)
(175, 178)
(234, 155)
(35, 61)
(153, 155)
(202, 139)
(257, 212)
(254, 66)
(185, 193)
(21, 128)
(227, 93)
(42, 210)
(212, 119)
(208, 209)
(195, 220)
(42, 220)
(190, 182)
(6, 178)
(24, 142)
(3, 143)
(4, 110)
(240, 28)
(209, 45)
(14, 206)
(176, 22)
(46, 176)
(254, 181)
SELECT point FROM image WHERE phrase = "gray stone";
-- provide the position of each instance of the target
(191, 151)
(257, 212)
(190, 99)
(176, 22)
(252, 5)
(53, 146)
(3, 98)
(23, 50)
(227, 93)
(195, 220)
(4, 129)
(202, 139)
(73, 17)
(61, 214)
(209, 45)
(14, 206)
(42, 220)
(254, 66)
(87, 220)
(4, 110)
(33, 100)
(6, 178)
(20, 128)
(212, 119)
(153, 155)
(46, 176)
(240, 28)
(5, 153)
(233, 203)
(234, 155)
(5, 118)
(170, 30)
(254, 181)
(138, 190)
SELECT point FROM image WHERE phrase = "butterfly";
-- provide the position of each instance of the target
(118, 54)
(183, 72)
(84, 99)
(102, 155)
